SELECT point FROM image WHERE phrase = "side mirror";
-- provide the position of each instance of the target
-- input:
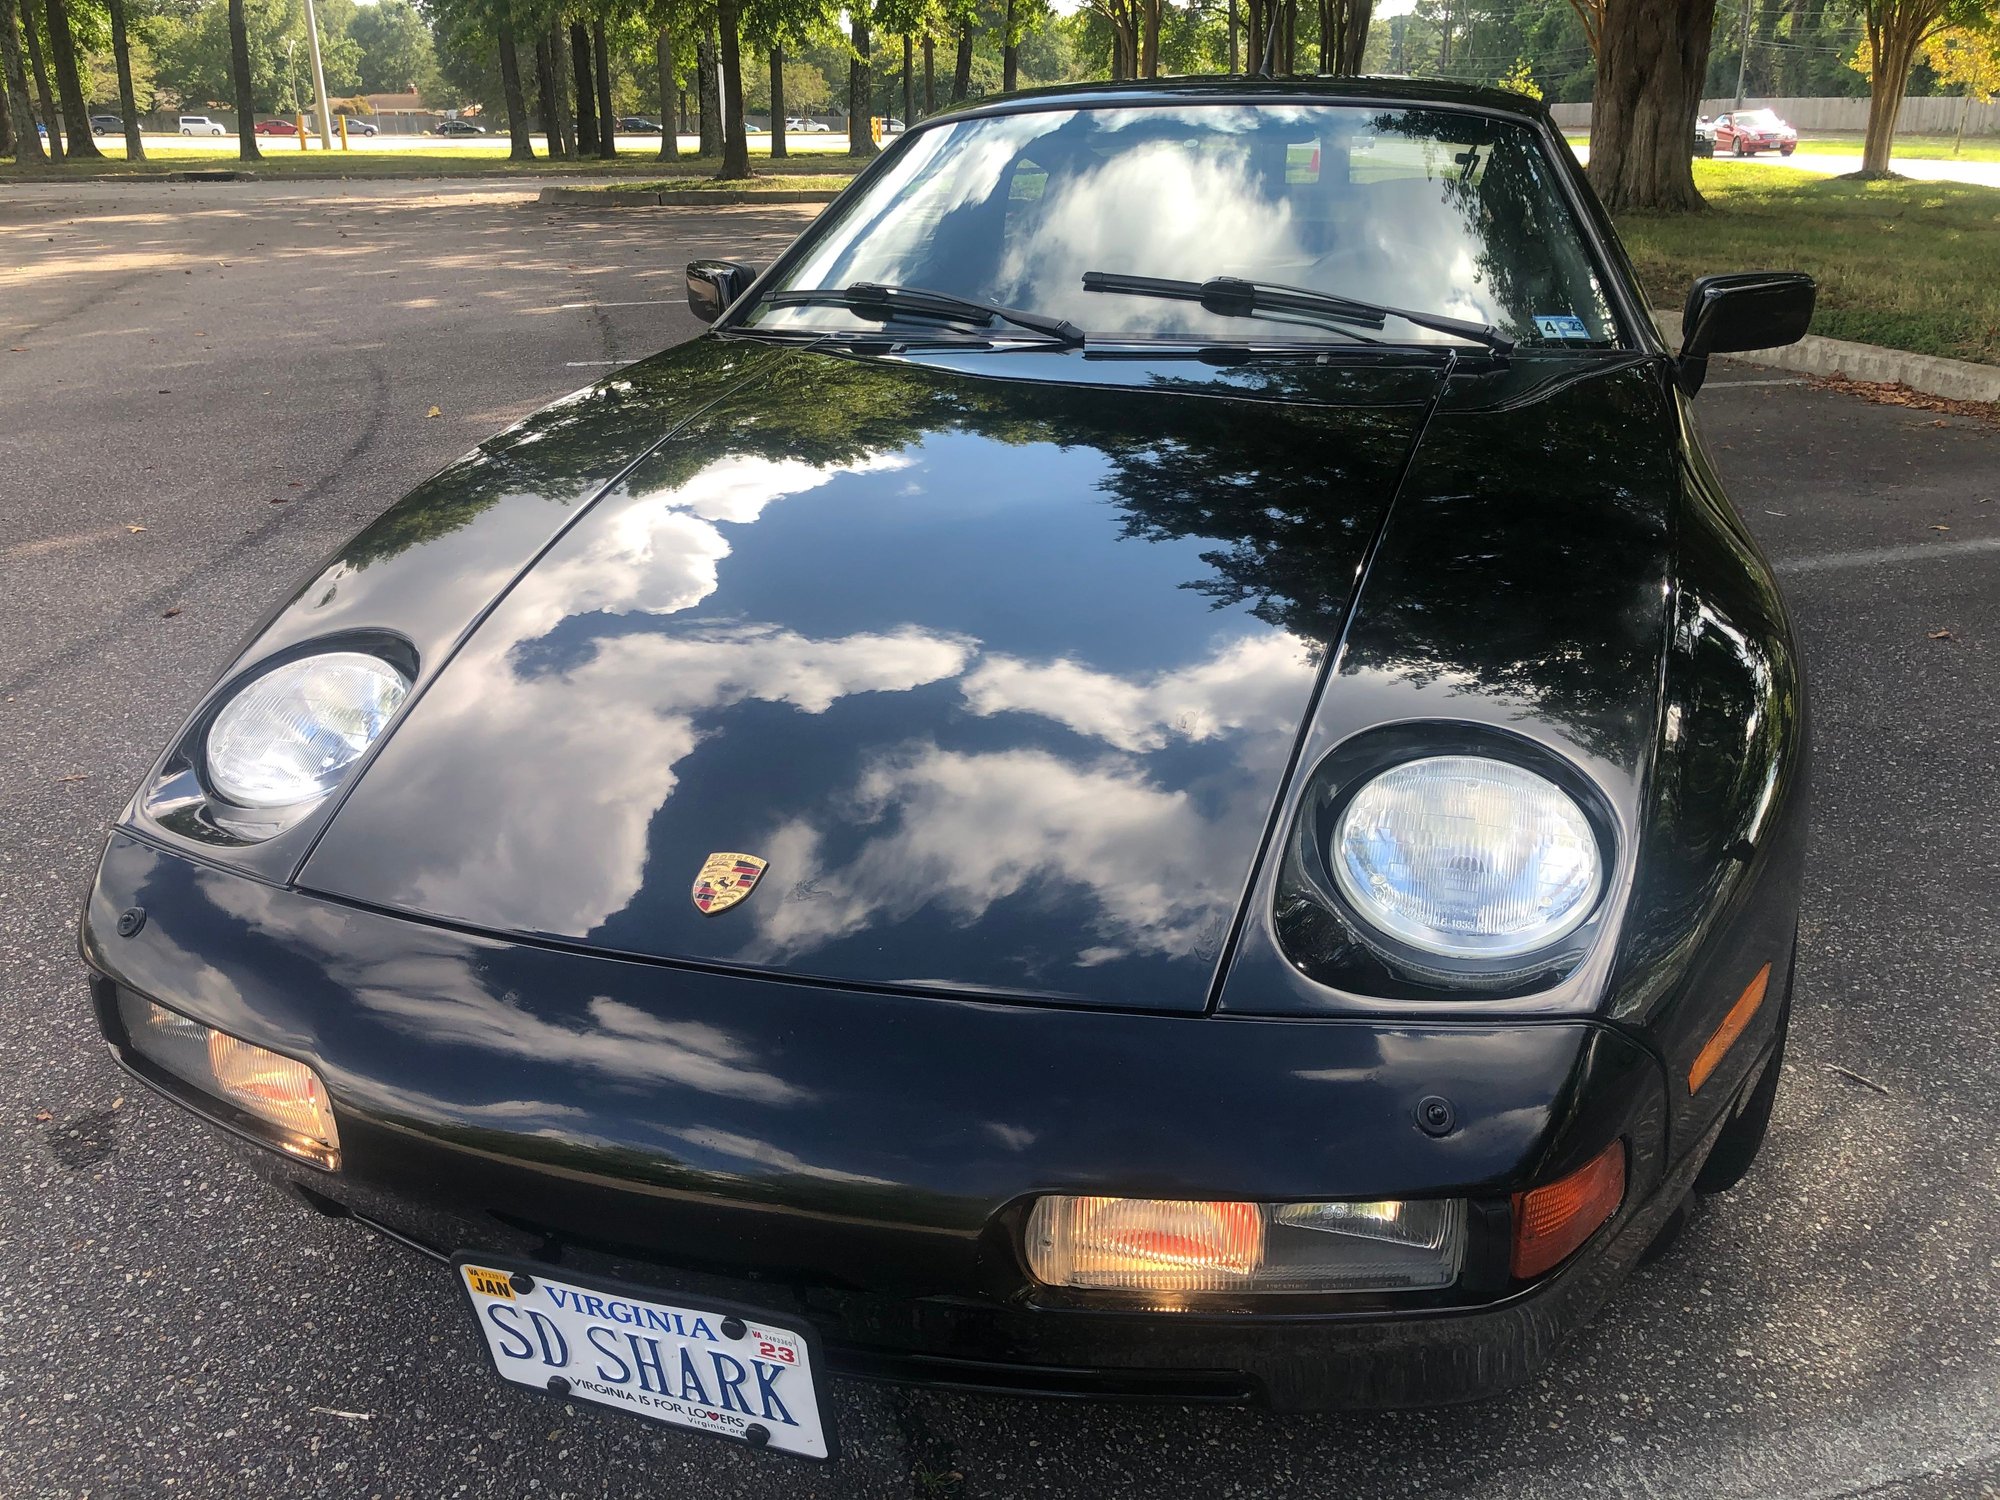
(1736, 314)
(714, 284)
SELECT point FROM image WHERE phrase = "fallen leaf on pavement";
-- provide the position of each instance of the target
(42, 1114)
(1935, 527)
(130, 527)
(168, 614)
(79, 776)
(435, 412)
(1943, 635)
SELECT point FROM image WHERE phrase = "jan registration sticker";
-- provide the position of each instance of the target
(711, 1368)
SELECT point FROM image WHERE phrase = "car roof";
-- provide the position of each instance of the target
(1212, 89)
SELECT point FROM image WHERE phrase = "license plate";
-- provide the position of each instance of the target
(704, 1365)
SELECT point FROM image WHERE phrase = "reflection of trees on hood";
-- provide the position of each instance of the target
(1527, 562)
(1290, 492)
(1525, 513)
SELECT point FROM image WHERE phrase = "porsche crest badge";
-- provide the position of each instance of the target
(725, 879)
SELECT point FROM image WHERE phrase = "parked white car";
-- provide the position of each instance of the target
(201, 125)
(806, 127)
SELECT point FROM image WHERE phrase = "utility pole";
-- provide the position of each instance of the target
(1742, 58)
(319, 78)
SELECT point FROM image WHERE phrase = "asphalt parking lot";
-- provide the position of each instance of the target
(204, 389)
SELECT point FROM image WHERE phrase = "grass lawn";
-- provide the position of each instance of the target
(764, 182)
(1913, 265)
(480, 159)
(1909, 147)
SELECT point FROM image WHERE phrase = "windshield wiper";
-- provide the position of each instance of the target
(1231, 297)
(870, 297)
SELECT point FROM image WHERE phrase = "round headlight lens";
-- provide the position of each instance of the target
(1468, 857)
(291, 734)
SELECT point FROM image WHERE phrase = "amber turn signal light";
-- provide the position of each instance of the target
(1731, 1028)
(1551, 1222)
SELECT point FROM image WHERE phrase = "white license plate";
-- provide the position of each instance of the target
(705, 1366)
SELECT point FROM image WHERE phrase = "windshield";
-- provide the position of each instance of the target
(1758, 119)
(1431, 211)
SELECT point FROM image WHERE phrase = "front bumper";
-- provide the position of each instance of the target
(862, 1160)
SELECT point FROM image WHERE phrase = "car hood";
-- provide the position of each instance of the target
(1000, 676)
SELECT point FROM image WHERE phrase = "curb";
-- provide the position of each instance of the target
(678, 198)
(1932, 374)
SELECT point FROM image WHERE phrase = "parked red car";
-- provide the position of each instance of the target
(1752, 130)
(274, 127)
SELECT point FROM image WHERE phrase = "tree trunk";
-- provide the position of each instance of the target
(1149, 56)
(777, 102)
(128, 100)
(559, 73)
(1010, 54)
(1257, 24)
(961, 72)
(910, 79)
(520, 143)
(239, 72)
(709, 107)
(69, 85)
(607, 122)
(1291, 44)
(1894, 52)
(7, 118)
(930, 75)
(1650, 69)
(547, 111)
(20, 109)
(1349, 60)
(735, 143)
(586, 91)
(860, 93)
(48, 99)
(670, 125)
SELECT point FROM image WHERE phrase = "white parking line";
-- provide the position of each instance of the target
(1709, 385)
(648, 302)
(1828, 562)
(578, 364)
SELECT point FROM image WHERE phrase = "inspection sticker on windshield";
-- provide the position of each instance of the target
(710, 1366)
(1561, 326)
(1302, 162)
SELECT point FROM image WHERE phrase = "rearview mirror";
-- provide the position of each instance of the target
(714, 284)
(1738, 313)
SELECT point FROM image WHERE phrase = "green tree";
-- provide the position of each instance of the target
(1896, 32)
(393, 49)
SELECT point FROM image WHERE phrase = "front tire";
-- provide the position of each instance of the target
(1739, 147)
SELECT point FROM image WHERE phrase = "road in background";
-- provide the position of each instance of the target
(632, 146)
(208, 387)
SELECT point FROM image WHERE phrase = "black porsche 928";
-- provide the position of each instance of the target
(1157, 767)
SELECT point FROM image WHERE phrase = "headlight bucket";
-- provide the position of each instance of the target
(1331, 932)
(292, 733)
(185, 797)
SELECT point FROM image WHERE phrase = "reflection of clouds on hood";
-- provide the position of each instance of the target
(658, 553)
(571, 849)
(438, 996)
(968, 830)
(748, 1149)
(1252, 684)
